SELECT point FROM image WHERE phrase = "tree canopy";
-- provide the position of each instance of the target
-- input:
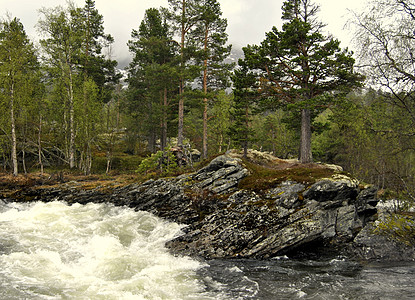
(296, 94)
(301, 68)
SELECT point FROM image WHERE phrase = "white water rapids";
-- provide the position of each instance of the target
(99, 251)
(95, 251)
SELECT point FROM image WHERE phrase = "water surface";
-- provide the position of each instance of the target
(99, 251)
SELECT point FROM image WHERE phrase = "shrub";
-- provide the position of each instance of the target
(163, 162)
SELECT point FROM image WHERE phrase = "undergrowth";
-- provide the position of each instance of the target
(400, 227)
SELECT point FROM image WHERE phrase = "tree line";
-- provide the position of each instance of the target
(296, 94)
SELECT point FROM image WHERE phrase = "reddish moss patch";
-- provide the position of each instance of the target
(263, 177)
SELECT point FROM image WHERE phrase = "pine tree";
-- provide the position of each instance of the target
(301, 67)
(99, 76)
(183, 17)
(153, 76)
(245, 96)
(210, 37)
(92, 61)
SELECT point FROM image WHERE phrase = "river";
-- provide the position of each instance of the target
(100, 251)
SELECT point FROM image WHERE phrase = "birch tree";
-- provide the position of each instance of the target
(61, 46)
(18, 63)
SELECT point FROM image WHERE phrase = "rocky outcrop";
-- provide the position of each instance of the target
(284, 221)
(370, 245)
(225, 221)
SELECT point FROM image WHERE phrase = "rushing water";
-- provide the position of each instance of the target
(98, 251)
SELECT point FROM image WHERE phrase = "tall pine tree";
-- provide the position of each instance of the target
(245, 96)
(301, 67)
(153, 76)
(210, 37)
(183, 18)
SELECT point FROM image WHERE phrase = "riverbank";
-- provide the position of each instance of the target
(260, 208)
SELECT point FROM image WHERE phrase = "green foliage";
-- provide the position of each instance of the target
(398, 227)
(245, 99)
(18, 84)
(163, 162)
(272, 134)
(220, 112)
(365, 137)
(153, 79)
(300, 67)
(70, 105)
(92, 62)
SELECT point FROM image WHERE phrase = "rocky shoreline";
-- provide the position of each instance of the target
(330, 216)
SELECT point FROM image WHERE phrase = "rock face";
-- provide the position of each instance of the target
(224, 221)
(371, 246)
(283, 221)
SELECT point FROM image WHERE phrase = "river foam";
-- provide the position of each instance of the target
(94, 251)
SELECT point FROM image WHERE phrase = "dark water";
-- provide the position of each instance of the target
(307, 279)
(98, 251)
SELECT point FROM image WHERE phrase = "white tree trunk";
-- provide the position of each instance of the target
(71, 122)
(13, 125)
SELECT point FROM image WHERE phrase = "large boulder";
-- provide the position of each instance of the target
(222, 175)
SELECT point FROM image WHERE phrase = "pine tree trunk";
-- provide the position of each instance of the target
(14, 139)
(180, 135)
(305, 147)
(245, 143)
(205, 100)
(164, 121)
(205, 114)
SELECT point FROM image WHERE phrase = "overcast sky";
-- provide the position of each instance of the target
(248, 20)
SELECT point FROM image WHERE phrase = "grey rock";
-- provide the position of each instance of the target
(225, 221)
(286, 194)
(335, 191)
(222, 175)
(369, 245)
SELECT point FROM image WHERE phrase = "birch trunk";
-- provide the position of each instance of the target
(71, 122)
(13, 125)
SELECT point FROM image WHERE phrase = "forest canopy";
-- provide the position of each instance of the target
(298, 94)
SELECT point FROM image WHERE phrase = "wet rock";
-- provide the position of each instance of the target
(369, 245)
